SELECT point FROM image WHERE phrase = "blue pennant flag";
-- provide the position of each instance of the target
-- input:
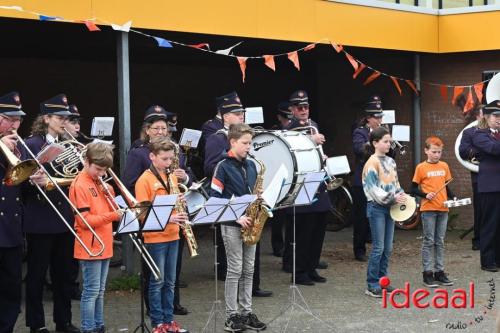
(162, 42)
(47, 18)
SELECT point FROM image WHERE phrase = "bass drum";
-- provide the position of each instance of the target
(293, 149)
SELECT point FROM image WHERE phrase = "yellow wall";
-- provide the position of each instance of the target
(293, 20)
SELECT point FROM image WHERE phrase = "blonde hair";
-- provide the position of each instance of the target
(161, 144)
(100, 153)
(39, 126)
(236, 131)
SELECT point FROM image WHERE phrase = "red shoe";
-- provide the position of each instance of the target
(173, 327)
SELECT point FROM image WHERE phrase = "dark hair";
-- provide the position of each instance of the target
(100, 153)
(236, 131)
(39, 127)
(375, 135)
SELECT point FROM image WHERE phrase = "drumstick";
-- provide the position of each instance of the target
(439, 190)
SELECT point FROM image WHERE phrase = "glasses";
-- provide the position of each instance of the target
(158, 129)
(13, 120)
(302, 107)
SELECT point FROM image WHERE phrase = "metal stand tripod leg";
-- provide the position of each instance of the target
(215, 311)
(143, 327)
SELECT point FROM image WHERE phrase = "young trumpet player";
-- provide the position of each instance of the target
(163, 246)
(91, 200)
(11, 236)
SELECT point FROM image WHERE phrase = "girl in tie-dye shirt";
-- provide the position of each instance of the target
(382, 189)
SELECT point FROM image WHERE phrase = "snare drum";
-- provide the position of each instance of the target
(457, 203)
(293, 149)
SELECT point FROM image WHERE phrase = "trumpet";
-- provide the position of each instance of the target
(17, 171)
(396, 145)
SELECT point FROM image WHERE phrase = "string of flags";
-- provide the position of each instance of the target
(473, 92)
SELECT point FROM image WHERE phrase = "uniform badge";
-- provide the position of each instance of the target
(301, 94)
(16, 99)
(157, 108)
(65, 100)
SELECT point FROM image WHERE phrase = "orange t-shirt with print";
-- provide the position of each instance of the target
(431, 177)
(90, 200)
(147, 188)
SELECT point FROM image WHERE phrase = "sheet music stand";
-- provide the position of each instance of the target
(302, 196)
(220, 211)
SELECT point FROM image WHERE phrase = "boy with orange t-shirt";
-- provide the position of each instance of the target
(88, 196)
(163, 245)
(431, 176)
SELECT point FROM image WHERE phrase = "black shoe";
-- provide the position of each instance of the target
(253, 323)
(234, 324)
(374, 292)
(67, 328)
(428, 279)
(441, 278)
(221, 276)
(489, 268)
(389, 289)
(180, 310)
(360, 257)
(182, 284)
(39, 330)
(76, 295)
(316, 277)
(322, 265)
(101, 329)
(303, 279)
(475, 247)
(261, 293)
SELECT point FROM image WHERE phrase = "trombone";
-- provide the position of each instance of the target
(77, 212)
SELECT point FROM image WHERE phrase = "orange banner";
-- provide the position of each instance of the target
(412, 86)
(469, 104)
(456, 92)
(478, 89)
(91, 26)
(444, 93)
(309, 47)
(353, 61)
(294, 57)
(371, 78)
(359, 70)
(269, 61)
(337, 47)
(396, 83)
(243, 66)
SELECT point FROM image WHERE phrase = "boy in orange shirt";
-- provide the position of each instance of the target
(431, 176)
(88, 196)
(162, 246)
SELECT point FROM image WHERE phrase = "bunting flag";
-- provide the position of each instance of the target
(200, 46)
(243, 66)
(294, 57)
(456, 92)
(469, 104)
(47, 18)
(269, 61)
(444, 92)
(309, 47)
(125, 27)
(359, 70)
(228, 50)
(18, 8)
(478, 89)
(396, 83)
(371, 78)
(353, 61)
(412, 86)
(337, 47)
(91, 26)
(162, 42)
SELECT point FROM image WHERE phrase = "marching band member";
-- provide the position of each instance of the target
(361, 229)
(154, 126)
(310, 220)
(163, 246)
(11, 215)
(467, 152)
(382, 189)
(235, 175)
(91, 200)
(210, 127)
(487, 143)
(49, 241)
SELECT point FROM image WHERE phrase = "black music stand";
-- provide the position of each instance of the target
(220, 211)
(303, 195)
(156, 216)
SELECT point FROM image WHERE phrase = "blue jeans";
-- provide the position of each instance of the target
(94, 273)
(382, 228)
(161, 292)
(434, 229)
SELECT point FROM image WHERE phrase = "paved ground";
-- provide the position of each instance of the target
(340, 304)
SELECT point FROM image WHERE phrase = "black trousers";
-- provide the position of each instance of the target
(277, 222)
(477, 214)
(10, 286)
(54, 251)
(221, 253)
(256, 268)
(310, 231)
(490, 229)
(361, 227)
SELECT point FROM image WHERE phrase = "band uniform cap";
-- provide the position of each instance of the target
(229, 103)
(155, 112)
(492, 108)
(299, 97)
(57, 105)
(283, 110)
(75, 113)
(373, 106)
(10, 105)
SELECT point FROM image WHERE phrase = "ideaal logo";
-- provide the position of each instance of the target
(439, 299)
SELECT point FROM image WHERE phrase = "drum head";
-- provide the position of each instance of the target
(402, 212)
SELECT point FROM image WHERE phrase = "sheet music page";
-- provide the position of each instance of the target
(49, 153)
(120, 201)
(129, 223)
(190, 136)
(209, 213)
(237, 207)
(102, 126)
(338, 165)
(308, 191)
(401, 133)
(160, 212)
(272, 191)
(254, 115)
(388, 117)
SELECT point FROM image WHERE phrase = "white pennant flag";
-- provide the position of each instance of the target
(125, 27)
(18, 8)
(228, 50)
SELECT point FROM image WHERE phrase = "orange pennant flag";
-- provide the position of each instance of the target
(456, 92)
(200, 46)
(396, 83)
(309, 47)
(444, 93)
(359, 70)
(371, 78)
(269, 61)
(353, 61)
(412, 86)
(91, 26)
(294, 57)
(337, 47)
(478, 89)
(243, 66)
(469, 104)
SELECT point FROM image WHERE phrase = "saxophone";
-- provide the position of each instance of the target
(258, 211)
(180, 207)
